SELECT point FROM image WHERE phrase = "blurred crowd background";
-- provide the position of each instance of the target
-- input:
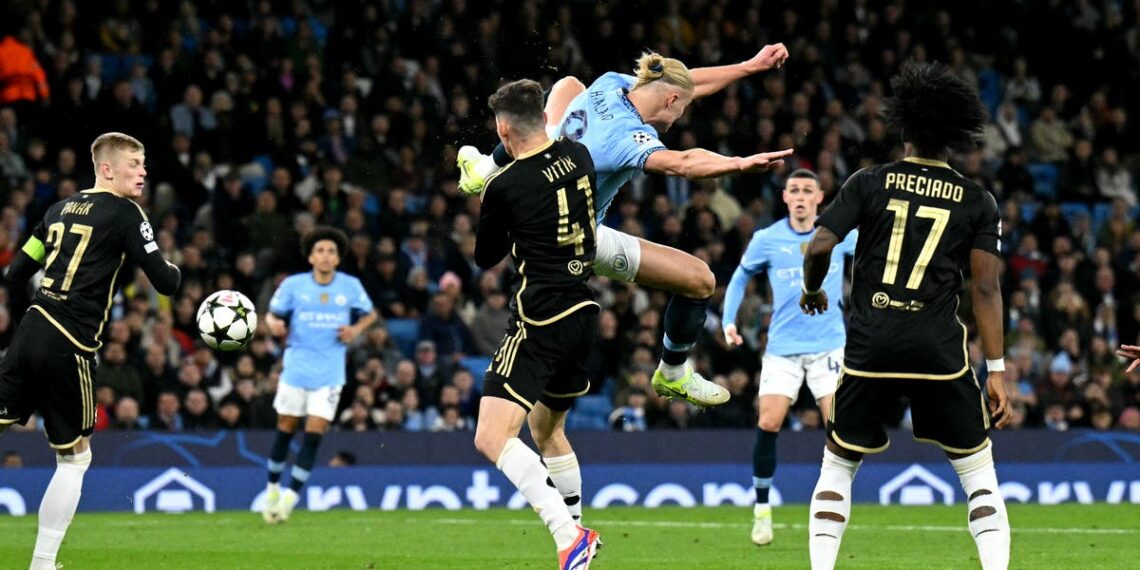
(265, 118)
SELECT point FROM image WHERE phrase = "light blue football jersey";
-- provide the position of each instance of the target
(314, 356)
(779, 250)
(603, 119)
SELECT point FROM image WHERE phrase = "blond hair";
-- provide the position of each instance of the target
(114, 142)
(652, 66)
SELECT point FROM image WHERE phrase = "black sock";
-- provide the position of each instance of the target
(763, 463)
(305, 460)
(500, 155)
(278, 454)
(684, 319)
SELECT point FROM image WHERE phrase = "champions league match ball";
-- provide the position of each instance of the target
(227, 320)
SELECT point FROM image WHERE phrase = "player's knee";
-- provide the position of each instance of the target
(569, 84)
(770, 423)
(699, 281)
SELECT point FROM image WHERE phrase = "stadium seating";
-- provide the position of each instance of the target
(404, 333)
(590, 412)
(1045, 177)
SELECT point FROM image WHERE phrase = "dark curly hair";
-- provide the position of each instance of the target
(934, 109)
(322, 233)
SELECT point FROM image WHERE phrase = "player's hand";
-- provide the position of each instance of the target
(998, 399)
(347, 333)
(1129, 351)
(814, 303)
(763, 161)
(732, 337)
(277, 327)
(769, 57)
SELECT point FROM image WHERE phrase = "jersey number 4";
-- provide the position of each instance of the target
(55, 236)
(940, 218)
(572, 234)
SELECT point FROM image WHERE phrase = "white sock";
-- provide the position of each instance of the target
(58, 506)
(486, 166)
(830, 500)
(567, 477)
(672, 371)
(525, 469)
(989, 523)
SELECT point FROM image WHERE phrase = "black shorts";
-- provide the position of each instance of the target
(45, 372)
(949, 413)
(544, 364)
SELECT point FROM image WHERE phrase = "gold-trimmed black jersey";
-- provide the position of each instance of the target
(918, 220)
(540, 208)
(88, 244)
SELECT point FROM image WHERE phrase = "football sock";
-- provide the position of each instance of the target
(499, 156)
(58, 506)
(988, 520)
(684, 319)
(763, 463)
(567, 478)
(525, 469)
(277, 455)
(305, 460)
(830, 509)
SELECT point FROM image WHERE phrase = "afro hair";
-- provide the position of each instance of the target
(322, 233)
(934, 109)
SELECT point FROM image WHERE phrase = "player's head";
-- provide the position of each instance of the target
(670, 84)
(934, 109)
(802, 194)
(518, 111)
(120, 164)
(323, 246)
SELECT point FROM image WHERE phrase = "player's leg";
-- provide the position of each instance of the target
(854, 429)
(953, 415)
(513, 386)
(474, 167)
(822, 376)
(320, 408)
(290, 405)
(548, 428)
(67, 404)
(780, 381)
(626, 258)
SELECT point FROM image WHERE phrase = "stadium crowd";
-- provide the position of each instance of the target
(266, 118)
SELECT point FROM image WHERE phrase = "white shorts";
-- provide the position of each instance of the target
(301, 402)
(619, 255)
(784, 375)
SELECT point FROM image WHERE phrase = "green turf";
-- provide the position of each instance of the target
(925, 538)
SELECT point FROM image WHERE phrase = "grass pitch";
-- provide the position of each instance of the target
(929, 538)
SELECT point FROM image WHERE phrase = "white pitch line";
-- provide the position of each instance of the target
(717, 525)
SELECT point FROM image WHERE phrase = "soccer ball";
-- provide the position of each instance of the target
(227, 320)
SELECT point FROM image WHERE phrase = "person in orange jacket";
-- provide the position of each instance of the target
(22, 79)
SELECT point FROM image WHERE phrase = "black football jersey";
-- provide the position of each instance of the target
(89, 244)
(918, 219)
(540, 208)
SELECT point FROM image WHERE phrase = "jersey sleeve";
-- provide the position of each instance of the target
(630, 148)
(755, 259)
(492, 242)
(843, 214)
(360, 300)
(987, 231)
(281, 304)
(142, 250)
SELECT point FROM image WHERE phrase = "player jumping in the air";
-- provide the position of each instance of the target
(800, 348)
(618, 118)
(921, 225)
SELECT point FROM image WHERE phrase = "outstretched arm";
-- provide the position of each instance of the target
(699, 163)
(709, 80)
